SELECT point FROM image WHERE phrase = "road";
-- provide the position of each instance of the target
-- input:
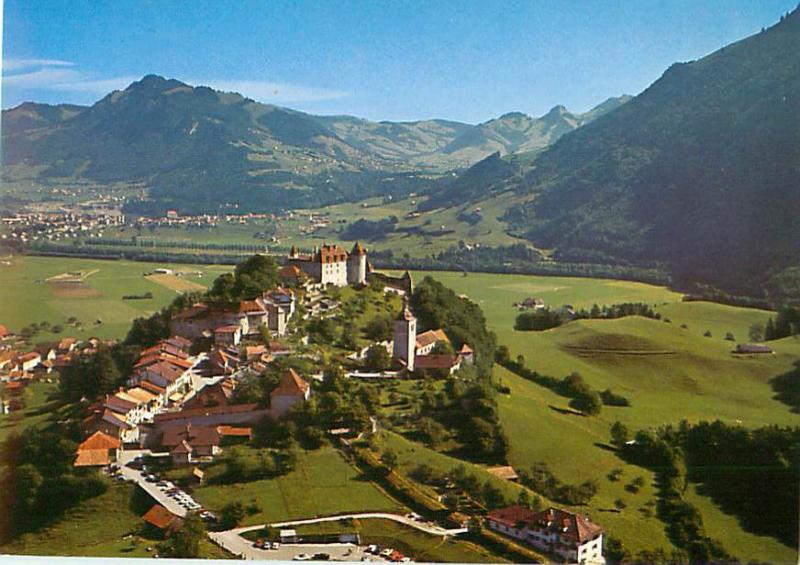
(233, 541)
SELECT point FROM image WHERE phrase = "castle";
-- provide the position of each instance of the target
(331, 264)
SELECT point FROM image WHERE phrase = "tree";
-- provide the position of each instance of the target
(619, 434)
(185, 543)
(756, 332)
(232, 513)
(389, 459)
(492, 497)
(379, 329)
(588, 402)
(378, 358)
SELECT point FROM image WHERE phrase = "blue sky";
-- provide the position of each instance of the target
(461, 60)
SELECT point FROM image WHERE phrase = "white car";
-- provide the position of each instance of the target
(301, 557)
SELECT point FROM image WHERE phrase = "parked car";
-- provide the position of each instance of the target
(373, 549)
(387, 552)
(276, 545)
(321, 557)
(259, 543)
(301, 557)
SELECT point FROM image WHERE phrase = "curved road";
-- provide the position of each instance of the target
(232, 540)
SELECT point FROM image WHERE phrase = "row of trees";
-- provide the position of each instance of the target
(546, 319)
(582, 396)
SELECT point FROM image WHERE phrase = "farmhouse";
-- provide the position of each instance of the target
(98, 450)
(426, 341)
(572, 537)
(290, 390)
(189, 443)
(162, 519)
(753, 349)
(229, 336)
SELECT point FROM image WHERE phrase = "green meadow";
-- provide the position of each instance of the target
(667, 372)
(321, 484)
(27, 297)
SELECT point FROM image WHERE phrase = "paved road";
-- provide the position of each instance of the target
(233, 541)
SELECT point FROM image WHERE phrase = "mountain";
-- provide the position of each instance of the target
(701, 171)
(399, 141)
(229, 151)
(197, 149)
(30, 115)
(514, 132)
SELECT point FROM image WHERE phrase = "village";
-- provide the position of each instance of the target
(178, 406)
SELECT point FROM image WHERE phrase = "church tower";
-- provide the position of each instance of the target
(357, 265)
(405, 337)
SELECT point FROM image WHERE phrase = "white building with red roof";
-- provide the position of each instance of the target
(572, 537)
(290, 390)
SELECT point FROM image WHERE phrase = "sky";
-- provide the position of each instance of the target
(381, 60)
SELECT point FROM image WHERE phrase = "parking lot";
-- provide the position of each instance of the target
(164, 492)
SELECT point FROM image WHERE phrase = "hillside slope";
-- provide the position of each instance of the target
(700, 171)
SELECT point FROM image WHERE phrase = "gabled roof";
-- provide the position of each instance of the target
(118, 404)
(166, 370)
(251, 307)
(291, 272)
(505, 472)
(99, 440)
(291, 385)
(564, 524)
(162, 518)
(193, 435)
(29, 357)
(92, 458)
(431, 336)
(436, 361)
(178, 341)
(194, 311)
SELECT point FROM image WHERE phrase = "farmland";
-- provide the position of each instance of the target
(96, 297)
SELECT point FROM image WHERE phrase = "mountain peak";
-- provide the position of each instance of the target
(513, 115)
(558, 110)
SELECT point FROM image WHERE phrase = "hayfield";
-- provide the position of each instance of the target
(26, 297)
(176, 283)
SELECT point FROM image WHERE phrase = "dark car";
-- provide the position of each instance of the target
(321, 557)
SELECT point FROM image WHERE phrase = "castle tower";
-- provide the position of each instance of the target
(405, 337)
(357, 265)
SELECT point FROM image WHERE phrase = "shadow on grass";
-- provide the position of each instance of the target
(567, 411)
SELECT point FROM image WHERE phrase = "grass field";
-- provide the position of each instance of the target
(322, 484)
(104, 526)
(667, 372)
(27, 298)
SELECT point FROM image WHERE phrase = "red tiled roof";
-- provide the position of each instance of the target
(178, 341)
(194, 435)
(150, 387)
(165, 370)
(161, 518)
(564, 524)
(431, 336)
(250, 306)
(92, 458)
(3, 331)
(205, 411)
(290, 272)
(29, 357)
(192, 312)
(437, 361)
(99, 440)
(227, 329)
(234, 431)
(290, 385)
